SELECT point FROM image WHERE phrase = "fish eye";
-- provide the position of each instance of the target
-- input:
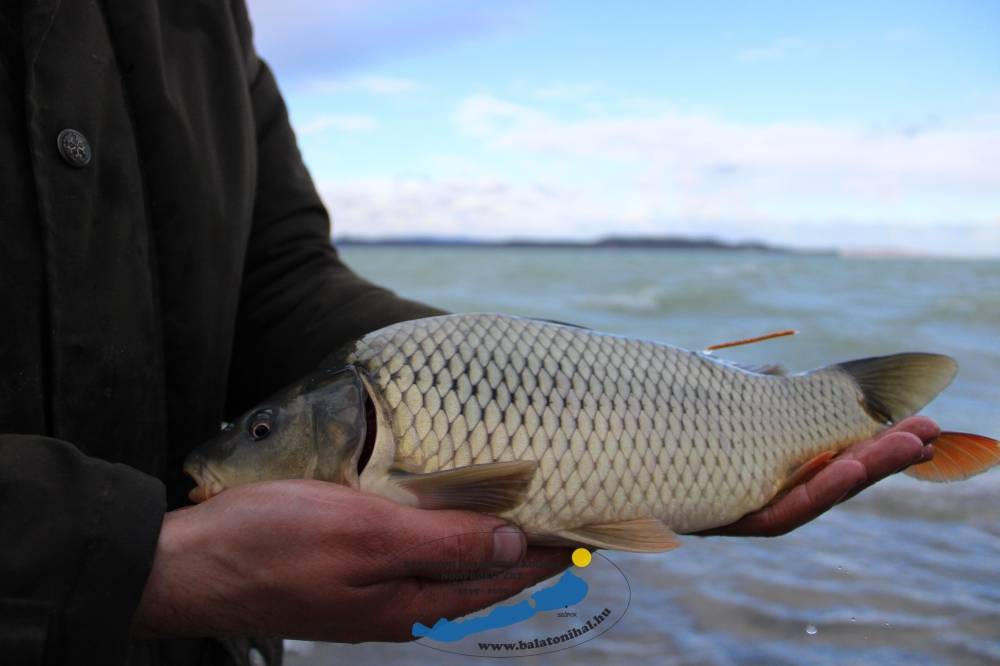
(261, 424)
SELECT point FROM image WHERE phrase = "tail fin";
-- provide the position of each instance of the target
(897, 386)
(957, 456)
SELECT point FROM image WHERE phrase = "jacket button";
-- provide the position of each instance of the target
(74, 148)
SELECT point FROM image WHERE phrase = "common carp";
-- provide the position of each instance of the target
(579, 437)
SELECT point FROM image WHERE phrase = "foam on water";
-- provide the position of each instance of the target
(905, 572)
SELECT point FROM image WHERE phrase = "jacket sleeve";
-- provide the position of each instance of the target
(299, 301)
(78, 537)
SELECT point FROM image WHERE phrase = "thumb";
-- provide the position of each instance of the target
(441, 545)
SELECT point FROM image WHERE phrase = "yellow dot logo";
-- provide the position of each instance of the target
(581, 557)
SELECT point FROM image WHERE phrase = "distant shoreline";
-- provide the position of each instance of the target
(609, 242)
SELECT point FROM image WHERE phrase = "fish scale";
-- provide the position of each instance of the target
(577, 436)
(621, 428)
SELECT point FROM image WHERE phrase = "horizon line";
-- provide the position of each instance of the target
(645, 241)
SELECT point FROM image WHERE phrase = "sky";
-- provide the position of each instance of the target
(860, 125)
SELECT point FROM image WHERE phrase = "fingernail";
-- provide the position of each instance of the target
(508, 544)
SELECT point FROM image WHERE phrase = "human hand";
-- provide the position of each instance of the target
(906, 443)
(320, 561)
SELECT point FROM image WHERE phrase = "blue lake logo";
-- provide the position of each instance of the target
(577, 605)
(570, 590)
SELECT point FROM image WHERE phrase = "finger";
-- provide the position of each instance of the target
(906, 443)
(426, 601)
(887, 455)
(922, 427)
(443, 545)
(927, 453)
(840, 480)
(843, 478)
(801, 504)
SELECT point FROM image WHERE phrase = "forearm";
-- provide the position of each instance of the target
(182, 575)
(319, 561)
(79, 535)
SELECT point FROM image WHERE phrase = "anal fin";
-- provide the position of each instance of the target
(957, 456)
(488, 488)
(804, 472)
(640, 535)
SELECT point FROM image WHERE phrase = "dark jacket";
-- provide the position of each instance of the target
(182, 273)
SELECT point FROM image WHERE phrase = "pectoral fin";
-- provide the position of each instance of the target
(957, 456)
(641, 535)
(489, 488)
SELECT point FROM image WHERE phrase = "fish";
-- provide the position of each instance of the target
(577, 436)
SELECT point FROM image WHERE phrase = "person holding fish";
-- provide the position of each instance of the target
(166, 264)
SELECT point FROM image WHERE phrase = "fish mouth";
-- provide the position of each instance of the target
(208, 485)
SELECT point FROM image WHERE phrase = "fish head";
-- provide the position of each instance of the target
(314, 429)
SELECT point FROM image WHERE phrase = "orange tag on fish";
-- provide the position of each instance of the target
(750, 341)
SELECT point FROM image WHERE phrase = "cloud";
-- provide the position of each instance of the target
(776, 50)
(478, 206)
(488, 208)
(304, 39)
(705, 152)
(804, 184)
(341, 122)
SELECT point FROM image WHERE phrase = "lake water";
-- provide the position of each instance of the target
(906, 572)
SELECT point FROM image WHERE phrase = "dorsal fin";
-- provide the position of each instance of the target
(750, 341)
(775, 369)
(556, 321)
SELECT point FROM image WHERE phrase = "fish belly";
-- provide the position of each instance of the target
(621, 428)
